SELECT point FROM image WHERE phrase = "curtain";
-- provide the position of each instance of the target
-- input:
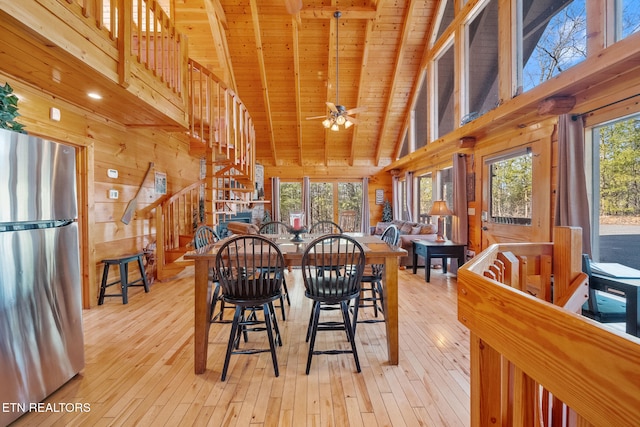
(572, 204)
(306, 200)
(364, 211)
(395, 187)
(275, 199)
(460, 220)
(408, 208)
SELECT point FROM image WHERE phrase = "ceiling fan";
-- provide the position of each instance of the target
(338, 115)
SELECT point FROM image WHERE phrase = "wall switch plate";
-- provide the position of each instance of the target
(112, 173)
(113, 194)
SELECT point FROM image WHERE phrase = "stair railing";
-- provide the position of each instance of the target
(537, 363)
(176, 219)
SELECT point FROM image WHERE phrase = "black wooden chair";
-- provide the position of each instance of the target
(600, 306)
(273, 227)
(278, 227)
(371, 294)
(251, 269)
(325, 227)
(205, 236)
(341, 260)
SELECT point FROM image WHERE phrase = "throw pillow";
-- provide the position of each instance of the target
(429, 229)
(416, 230)
(406, 228)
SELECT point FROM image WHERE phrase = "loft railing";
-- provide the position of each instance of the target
(535, 363)
(138, 28)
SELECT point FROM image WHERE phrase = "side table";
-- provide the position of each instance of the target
(429, 250)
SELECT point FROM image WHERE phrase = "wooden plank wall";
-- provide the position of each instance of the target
(103, 144)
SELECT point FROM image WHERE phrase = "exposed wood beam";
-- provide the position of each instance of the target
(363, 67)
(218, 24)
(326, 12)
(296, 79)
(406, 30)
(263, 77)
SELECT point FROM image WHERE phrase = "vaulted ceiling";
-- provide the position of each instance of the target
(280, 58)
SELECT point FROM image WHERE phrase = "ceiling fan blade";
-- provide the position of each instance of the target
(352, 119)
(317, 117)
(332, 107)
(356, 110)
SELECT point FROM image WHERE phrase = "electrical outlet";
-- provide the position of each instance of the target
(112, 173)
(113, 194)
(471, 254)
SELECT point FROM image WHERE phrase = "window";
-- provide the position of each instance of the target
(627, 18)
(290, 199)
(425, 197)
(444, 84)
(511, 189)
(321, 195)
(445, 17)
(553, 37)
(350, 199)
(420, 116)
(445, 192)
(481, 36)
(329, 199)
(615, 198)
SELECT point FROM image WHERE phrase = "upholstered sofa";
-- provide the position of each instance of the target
(410, 231)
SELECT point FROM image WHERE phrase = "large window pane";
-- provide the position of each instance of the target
(482, 65)
(554, 38)
(321, 202)
(445, 192)
(627, 18)
(421, 116)
(425, 198)
(511, 190)
(616, 192)
(350, 200)
(445, 17)
(444, 87)
(290, 199)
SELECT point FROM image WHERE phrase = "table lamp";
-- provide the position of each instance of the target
(440, 209)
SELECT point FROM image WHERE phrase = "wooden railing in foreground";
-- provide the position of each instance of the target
(175, 219)
(534, 363)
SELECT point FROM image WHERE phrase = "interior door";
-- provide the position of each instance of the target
(497, 228)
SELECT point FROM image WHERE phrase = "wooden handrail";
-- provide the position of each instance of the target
(176, 217)
(535, 363)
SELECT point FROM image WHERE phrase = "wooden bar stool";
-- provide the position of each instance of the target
(123, 264)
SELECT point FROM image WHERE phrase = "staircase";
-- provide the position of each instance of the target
(221, 131)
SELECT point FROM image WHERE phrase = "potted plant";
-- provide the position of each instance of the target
(9, 109)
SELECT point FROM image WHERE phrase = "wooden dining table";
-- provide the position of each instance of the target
(376, 252)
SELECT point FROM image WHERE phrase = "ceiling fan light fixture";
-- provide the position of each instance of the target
(335, 127)
(340, 120)
(326, 123)
(348, 123)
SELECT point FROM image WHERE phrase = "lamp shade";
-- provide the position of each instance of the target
(440, 208)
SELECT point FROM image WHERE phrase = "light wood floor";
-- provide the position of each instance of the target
(139, 367)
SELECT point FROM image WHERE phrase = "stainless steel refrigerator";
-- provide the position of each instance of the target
(41, 338)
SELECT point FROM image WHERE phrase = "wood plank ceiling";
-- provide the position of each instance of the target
(283, 67)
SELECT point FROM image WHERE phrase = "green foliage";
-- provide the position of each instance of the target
(387, 211)
(620, 168)
(290, 199)
(9, 109)
(511, 187)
